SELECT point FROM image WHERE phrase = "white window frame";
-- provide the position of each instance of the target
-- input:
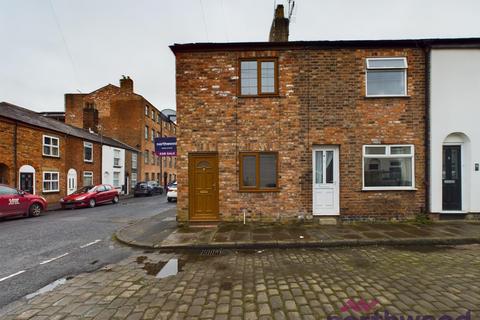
(51, 146)
(119, 158)
(405, 68)
(113, 179)
(87, 145)
(51, 181)
(134, 160)
(90, 173)
(388, 155)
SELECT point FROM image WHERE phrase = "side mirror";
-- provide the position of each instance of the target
(21, 192)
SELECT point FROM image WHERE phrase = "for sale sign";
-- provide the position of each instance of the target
(166, 146)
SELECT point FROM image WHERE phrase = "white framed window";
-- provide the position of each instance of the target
(116, 158)
(116, 179)
(386, 77)
(88, 152)
(51, 146)
(153, 115)
(50, 181)
(388, 167)
(87, 178)
(134, 161)
(146, 111)
(133, 179)
(146, 132)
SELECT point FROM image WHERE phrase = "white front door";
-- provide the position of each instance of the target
(326, 181)
(71, 181)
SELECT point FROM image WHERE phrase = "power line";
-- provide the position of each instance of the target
(69, 55)
(204, 20)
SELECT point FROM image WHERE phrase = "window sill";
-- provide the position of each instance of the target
(49, 156)
(88, 161)
(259, 190)
(261, 96)
(388, 96)
(52, 191)
(389, 189)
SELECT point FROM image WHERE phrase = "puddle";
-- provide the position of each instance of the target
(164, 269)
(47, 288)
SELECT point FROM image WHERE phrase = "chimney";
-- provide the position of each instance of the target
(126, 84)
(279, 28)
(90, 117)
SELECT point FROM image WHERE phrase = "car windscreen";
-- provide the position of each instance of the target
(84, 190)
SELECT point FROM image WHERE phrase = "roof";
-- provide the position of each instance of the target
(325, 44)
(30, 117)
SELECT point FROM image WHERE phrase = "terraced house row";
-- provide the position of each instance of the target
(331, 130)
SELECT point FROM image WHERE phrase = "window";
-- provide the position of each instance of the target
(169, 177)
(175, 162)
(146, 176)
(145, 157)
(158, 161)
(158, 177)
(133, 180)
(258, 77)
(146, 111)
(134, 161)
(169, 162)
(116, 158)
(51, 146)
(258, 171)
(146, 132)
(50, 181)
(159, 117)
(386, 77)
(7, 191)
(88, 152)
(87, 178)
(153, 135)
(388, 167)
(153, 176)
(153, 157)
(153, 115)
(116, 179)
(164, 162)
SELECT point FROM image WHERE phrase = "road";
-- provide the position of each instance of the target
(37, 251)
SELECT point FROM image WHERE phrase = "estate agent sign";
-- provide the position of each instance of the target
(166, 146)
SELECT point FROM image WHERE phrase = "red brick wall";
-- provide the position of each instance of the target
(321, 101)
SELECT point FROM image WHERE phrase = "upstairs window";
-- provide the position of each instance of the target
(134, 161)
(51, 146)
(258, 77)
(388, 167)
(116, 158)
(146, 132)
(146, 111)
(153, 115)
(153, 135)
(88, 152)
(258, 171)
(145, 157)
(386, 77)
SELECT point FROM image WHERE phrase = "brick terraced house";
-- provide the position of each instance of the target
(274, 131)
(119, 112)
(46, 157)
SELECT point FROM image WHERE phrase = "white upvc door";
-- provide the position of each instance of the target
(71, 181)
(326, 180)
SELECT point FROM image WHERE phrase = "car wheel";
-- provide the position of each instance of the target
(35, 210)
(91, 203)
(115, 199)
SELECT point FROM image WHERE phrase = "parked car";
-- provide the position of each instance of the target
(147, 188)
(90, 196)
(14, 202)
(172, 192)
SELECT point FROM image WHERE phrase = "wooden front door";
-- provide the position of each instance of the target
(203, 187)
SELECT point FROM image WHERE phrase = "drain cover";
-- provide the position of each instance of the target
(211, 252)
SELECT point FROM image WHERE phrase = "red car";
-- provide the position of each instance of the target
(15, 202)
(90, 196)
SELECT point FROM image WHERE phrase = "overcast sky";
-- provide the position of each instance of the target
(51, 47)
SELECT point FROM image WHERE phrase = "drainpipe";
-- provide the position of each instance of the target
(15, 155)
(427, 127)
